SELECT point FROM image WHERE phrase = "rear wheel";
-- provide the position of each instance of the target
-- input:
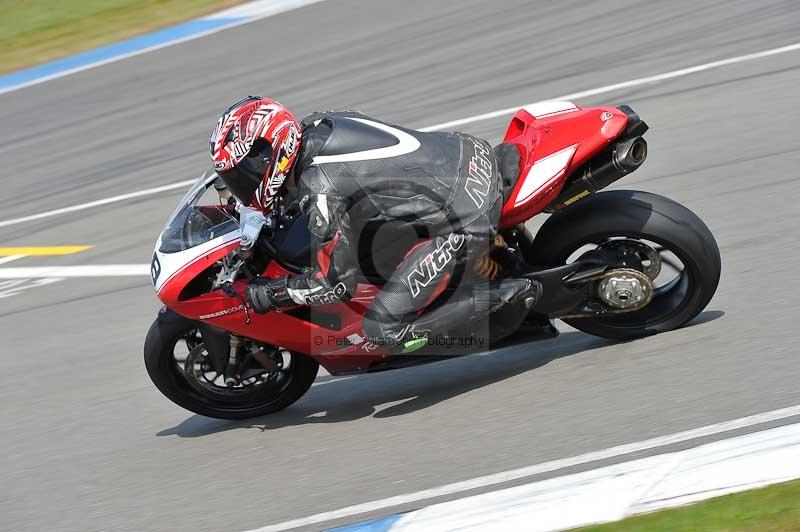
(687, 251)
(178, 364)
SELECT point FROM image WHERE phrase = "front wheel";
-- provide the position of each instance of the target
(178, 364)
(687, 253)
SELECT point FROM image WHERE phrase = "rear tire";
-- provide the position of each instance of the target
(170, 328)
(644, 216)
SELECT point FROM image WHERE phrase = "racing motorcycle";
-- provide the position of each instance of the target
(617, 264)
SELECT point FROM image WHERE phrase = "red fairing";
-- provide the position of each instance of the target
(340, 350)
(171, 289)
(554, 139)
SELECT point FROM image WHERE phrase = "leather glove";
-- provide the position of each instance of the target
(264, 295)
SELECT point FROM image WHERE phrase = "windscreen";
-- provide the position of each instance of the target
(204, 214)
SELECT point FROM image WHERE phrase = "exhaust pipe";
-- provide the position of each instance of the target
(628, 155)
(622, 159)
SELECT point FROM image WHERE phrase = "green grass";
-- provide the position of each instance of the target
(770, 509)
(36, 31)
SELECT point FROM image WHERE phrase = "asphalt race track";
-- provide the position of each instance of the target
(89, 444)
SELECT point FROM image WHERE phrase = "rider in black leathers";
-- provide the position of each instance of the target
(353, 170)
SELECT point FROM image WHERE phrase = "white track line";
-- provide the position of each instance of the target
(625, 85)
(10, 258)
(98, 203)
(101, 270)
(614, 492)
(475, 118)
(515, 474)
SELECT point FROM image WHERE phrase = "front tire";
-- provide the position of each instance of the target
(170, 329)
(641, 216)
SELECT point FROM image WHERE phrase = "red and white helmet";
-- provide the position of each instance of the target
(254, 146)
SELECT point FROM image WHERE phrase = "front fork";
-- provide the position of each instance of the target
(232, 368)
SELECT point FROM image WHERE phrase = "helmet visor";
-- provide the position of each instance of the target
(244, 179)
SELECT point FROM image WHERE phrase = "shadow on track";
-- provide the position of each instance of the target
(704, 317)
(335, 400)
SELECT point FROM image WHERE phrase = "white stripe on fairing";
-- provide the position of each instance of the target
(174, 263)
(460, 122)
(405, 144)
(550, 108)
(515, 474)
(544, 172)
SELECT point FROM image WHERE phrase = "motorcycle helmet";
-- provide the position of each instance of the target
(253, 148)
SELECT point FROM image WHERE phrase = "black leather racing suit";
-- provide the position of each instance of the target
(353, 172)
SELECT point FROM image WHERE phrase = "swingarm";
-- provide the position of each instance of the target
(614, 278)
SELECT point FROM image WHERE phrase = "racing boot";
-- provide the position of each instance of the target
(408, 340)
(472, 305)
(414, 341)
(505, 305)
(490, 296)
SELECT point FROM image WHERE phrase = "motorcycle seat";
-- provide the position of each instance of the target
(507, 155)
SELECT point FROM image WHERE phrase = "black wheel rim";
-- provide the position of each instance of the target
(670, 297)
(256, 391)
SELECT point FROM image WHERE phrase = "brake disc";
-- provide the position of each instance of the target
(648, 257)
(203, 378)
(196, 367)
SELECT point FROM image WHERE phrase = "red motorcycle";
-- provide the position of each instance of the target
(617, 264)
